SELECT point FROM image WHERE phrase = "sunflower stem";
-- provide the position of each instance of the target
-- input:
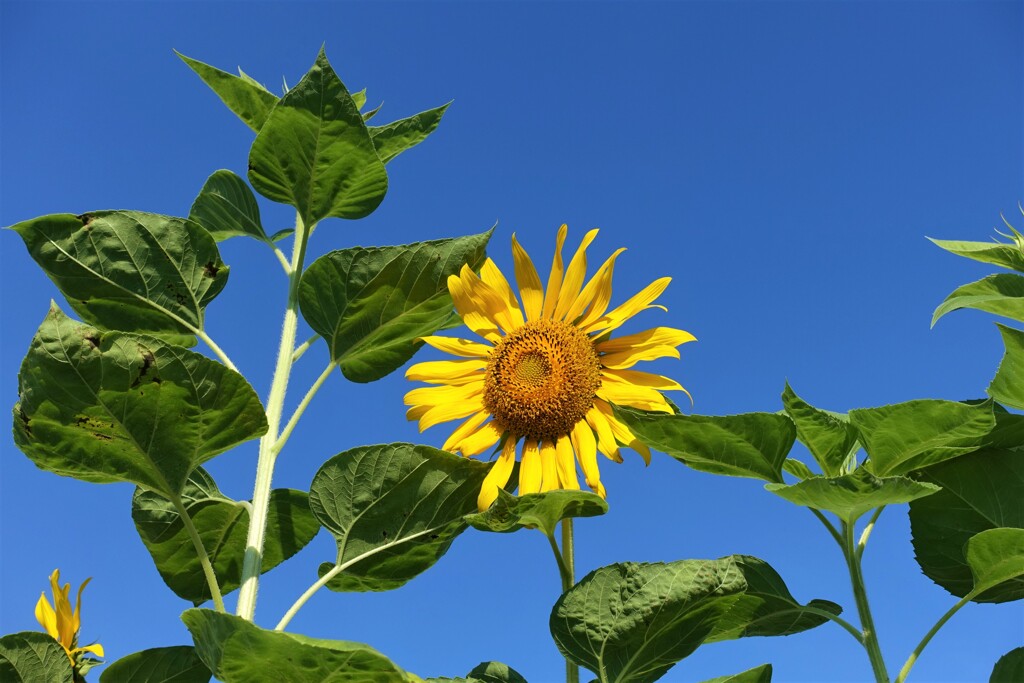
(572, 670)
(253, 559)
(860, 595)
(905, 671)
(204, 557)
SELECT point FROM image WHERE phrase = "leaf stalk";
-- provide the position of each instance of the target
(204, 557)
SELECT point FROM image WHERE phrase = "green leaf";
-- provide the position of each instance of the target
(315, 153)
(372, 304)
(222, 524)
(128, 270)
(907, 436)
(759, 674)
(996, 559)
(1002, 294)
(227, 644)
(111, 406)
(495, 672)
(176, 664)
(1008, 384)
(398, 136)
(797, 468)
(31, 657)
(1009, 668)
(828, 437)
(748, 445)
(851, 495)
(981, 491)
(537, 510)
(633, 622)
(227, 208)
(394, 510)
(1005, 255)
(250, 101)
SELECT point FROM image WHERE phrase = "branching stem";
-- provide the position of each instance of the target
(860, 596)
(287, 431)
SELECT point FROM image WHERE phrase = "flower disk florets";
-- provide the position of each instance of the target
(542, 379)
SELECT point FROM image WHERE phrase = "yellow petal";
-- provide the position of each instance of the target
(549, 467)
(416, 412)
(566, 464)
(586, 453)
(446, 371)
(498, 476)
(641, 379)
(596, 294)
(528, 280)
(459, 347)
(530, 473)
(605, 438)
(95, 649)
(622, 433)
(491, 303)
(464, 430)
(471, 311)
(446, 412)
(46, 617)
(76, 619)
(656, 336)
(574, 275)
(555, 278)
(440, 395)
(492, 275)
(629, 358)
(481, 440)
(639, 302)
(630, 395)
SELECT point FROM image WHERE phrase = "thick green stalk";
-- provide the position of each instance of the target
(860, 596)
(251, 563)
(572, 670)
(204, 557)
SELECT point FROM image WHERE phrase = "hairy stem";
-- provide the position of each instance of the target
(863, 542)
(219, 352)
(303, 347)
(905, 671)
(294, 420)
(204, 557)
(572, 670)
(860, 595)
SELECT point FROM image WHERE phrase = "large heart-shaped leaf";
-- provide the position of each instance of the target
(537, 510)
(1008, 384)
(632, 622)
(222, 524)
(851, 495)
(1009, 668)
(996, 559)
(1002, 294)
(243, 95)
(828, 437)
(111, 406)
(981, 491)
(175, 664)
(372, 304)
(394, 510)
(398, 136)
(748, 445)
(227, 644)
(315, 153)
(128, 270)
(227, 208)
(904, 437)
(31, 657)
(1000, 254)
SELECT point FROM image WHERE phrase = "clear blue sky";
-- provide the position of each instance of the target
(782, 161)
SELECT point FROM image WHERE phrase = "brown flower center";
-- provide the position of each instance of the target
(542, 379)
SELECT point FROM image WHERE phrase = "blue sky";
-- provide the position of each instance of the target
(782, 161)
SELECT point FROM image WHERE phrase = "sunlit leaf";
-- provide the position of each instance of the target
(851, 495)
(227, 644)
(537, 510)
(632, 622)
(748, 445)
(759, 674)
(176, 664)
(996, 559)
(1002, 294)
(495, 672)
(1000, 254)
(904, 437)
(981, 491)
(31, 657)
(227, 208)
(243, 95)
(223, 525)
(828, 437)
(1009, 668)
(372, 304)
(394, 510)
(315, 153)
(797, 468)
(1008, 384)
(398, 136)
(128, 270)
(110, 406)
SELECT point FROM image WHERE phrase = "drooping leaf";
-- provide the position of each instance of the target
(996, 559)
(828, 437)
(31, 657)
(748, 445)
(223, 525)
(1008, 384)
(243, 95)
(495, 672)
(128, 270)
(227, 644)
(315, 153)
(904, 437)
(176, 664)
(981, 491)
(398, 136)
(111, 406)
(797, 468)
(227, 208)
(632, 622)
(1002, 294)
(851, 495)
(537, 510)
(372, 304)
(1009, 668)
(1000, 254)
(759, 674)
(394, 510)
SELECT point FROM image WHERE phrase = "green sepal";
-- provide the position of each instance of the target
(828, 436)
(222, 524)
(33, 657)
(178, 663)
(541, 511)
(759, 674)
(111, 406)
(243, 95)
(392, 139)
(372, 304)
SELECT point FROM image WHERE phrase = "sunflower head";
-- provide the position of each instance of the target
(62, 620)
(546, 373)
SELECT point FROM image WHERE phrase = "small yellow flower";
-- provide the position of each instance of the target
(548, 372)
(61, 621)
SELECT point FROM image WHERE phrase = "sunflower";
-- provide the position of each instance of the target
(548, 372)
(62, 620)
